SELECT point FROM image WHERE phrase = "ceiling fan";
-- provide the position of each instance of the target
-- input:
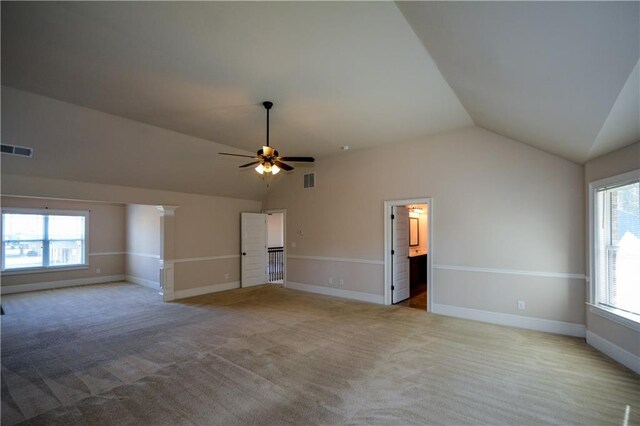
(268, 158)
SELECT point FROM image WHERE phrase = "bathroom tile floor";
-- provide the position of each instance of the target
(418, 298)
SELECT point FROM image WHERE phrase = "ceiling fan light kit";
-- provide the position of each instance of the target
(268, 168)
(268, 159)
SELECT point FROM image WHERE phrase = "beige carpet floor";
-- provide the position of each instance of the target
(115, 354)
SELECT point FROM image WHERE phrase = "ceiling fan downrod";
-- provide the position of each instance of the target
(267, 106)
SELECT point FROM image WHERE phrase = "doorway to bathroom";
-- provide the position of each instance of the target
(408, 253)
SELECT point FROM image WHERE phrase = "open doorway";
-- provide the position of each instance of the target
(275, 247)
(408, 253)
(149, 248)
(143, 234)
(418, 252)
(82, 242)
(262, 240)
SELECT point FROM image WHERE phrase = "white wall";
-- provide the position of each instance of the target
(206, 243)
(106, 245)
(275, 225)
(618, 336)
(423, 228)
(143, 245)
(74, 143)
(508, 223)
(71, 141)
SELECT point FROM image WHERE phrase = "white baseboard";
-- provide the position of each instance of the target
(623, 356)
(141, 281)
(167, 296)
(337, 259)
(337, 292)
(549, 326)
(181, 294)
(59, 284)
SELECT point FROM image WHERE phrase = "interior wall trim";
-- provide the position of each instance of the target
(206, 258)
(511, 272)
(148, 255)
(451, 267)
(337, 292)
(623, 356)
(518, 321)
(128, 253)
(144, 282)
(198, 291)
(21, 288)
(337, 259)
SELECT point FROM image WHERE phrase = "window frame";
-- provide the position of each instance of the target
(619, 316)
(47, 212)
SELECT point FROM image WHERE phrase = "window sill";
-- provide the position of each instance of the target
(626, 319)
(43, 270)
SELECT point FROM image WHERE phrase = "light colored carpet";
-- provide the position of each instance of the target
(115, 354)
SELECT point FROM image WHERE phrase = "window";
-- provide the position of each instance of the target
(616, 244)
(43, 239)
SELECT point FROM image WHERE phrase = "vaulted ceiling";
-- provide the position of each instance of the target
(550, 74)
(562, 77)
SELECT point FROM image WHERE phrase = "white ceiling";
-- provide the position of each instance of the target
(81, 144)
(623, 123)
(338, 73)
(557, 76)
(544, 73)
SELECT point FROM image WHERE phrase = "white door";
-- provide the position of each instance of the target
(253, 229)
(400, 254)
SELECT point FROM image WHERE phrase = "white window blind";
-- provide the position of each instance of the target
(617, 246)
(35, 240)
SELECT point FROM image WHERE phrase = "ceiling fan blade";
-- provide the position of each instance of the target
(298, 159)
(283, 166)
(250, 164)
(237, 155)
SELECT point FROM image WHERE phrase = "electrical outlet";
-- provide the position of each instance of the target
(97, 270)
(330, 281)
(226, 276)
(521, 305)
(341, 282)
(293, 244)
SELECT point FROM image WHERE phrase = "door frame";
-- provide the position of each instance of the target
(284, 240)
(388, 245)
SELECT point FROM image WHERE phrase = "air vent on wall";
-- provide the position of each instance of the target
(21, 151)
(309, 180)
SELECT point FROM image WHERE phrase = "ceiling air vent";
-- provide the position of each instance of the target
(309, 180)
(21, 151)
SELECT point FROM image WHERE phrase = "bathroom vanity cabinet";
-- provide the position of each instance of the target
(418, 269)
